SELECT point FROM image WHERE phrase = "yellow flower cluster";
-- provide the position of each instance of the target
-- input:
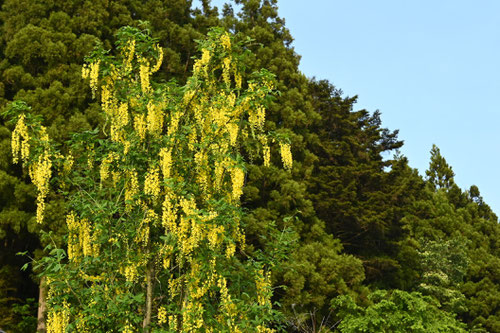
(150, 217)
(257, 117)
(162, 315)
(57, 321)
(232, 129)
(105, 165)
(108, 103)
(200, 65)
(20, 141)
(82, 238)
(166, 254)
(91, 278)
(286, 155)
(130, 272)
(201, 161)
(115, 176)
(238, 179)
(154, 118)
(227, 304)
(73, 243)
(118, 122)
(172, 323)
(226, 71)
(225, 40)
(169, 213)
(81, 326)
(128, 328)
(129, 52)
(68, 163)
(218, 174)
(159, 61)
(166, 162)
(266, 150)
(93, 73)
(40, 173)
(140, 125)
(189, 231)
(192, 317)
(263, 283)
(192, 140)
(131, 189)
(145, 72)
(174, 122)
(238, 80)
(215, 236)
(152, 183)
(230, 250)
(85, 71)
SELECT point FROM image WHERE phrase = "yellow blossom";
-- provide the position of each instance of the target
(119, 121)
(152, 183)
(226, 71)
(172, 323)
(94, 76)
(166, 162)
(130, 272)
(128, 328)
(230, 249)
(19, 142)
(144, 74)
(160, 59)
(263, 284)
(131, 188)
(140, 125)
(257, 117)
(154, 118)
(232, 128)
(129, 52)
(169, 214)
(68, 163)
(226, 41)
(85, 237)
(286, 155)
(85, 71)
(218, 174)
(162, 315)
(40, 173)
(57, 321)
(237, 178)
(105, 165)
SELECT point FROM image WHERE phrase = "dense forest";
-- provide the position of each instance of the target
(348, 238)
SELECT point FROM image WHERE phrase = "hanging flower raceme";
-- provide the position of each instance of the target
(40, 166)
(286, 155)
(20, 141)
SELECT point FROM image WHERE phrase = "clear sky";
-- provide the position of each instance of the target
(431, 67)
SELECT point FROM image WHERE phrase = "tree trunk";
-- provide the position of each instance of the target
(42, 307)
(149, 298)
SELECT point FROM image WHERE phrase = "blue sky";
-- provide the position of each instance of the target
(431, 67)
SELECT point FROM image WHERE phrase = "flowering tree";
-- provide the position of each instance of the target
(153, 197)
